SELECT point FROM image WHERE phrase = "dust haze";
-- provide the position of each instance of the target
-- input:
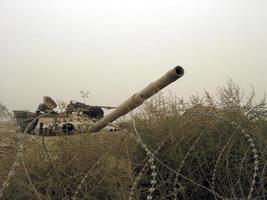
(115, 48)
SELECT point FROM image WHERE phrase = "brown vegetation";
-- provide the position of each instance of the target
(206, 148)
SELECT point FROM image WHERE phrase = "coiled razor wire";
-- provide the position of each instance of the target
(152, 188)
(182, 164)
(150, 162)
(251, 144)
(244, 133)
(19, 155)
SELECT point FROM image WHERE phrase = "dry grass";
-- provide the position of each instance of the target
(201, 149)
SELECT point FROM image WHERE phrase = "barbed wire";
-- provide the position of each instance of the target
(152, 159)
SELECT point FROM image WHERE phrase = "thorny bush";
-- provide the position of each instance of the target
(199, 148)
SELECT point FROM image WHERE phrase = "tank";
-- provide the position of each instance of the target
(82, 118)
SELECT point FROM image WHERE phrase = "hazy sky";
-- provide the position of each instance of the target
(114, 48)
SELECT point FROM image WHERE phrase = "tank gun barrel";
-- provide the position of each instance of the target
(138, 98)
(107, 107)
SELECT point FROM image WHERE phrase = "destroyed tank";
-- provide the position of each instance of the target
(82, 118)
